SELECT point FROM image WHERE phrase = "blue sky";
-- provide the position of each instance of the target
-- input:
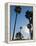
(21, 19)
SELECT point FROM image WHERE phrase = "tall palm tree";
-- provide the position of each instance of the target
(17, 10)
(29, 16)
(20, 29)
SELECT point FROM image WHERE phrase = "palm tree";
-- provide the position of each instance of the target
(29, 16)
(17, 10)
(19, 36)
(20, 29)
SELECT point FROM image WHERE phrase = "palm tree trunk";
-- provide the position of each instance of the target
(30, 32)
(14, 27)
(30, 28)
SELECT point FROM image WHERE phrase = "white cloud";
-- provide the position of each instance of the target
(25, 32)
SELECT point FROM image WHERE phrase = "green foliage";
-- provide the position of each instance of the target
(17, 9)
(29, 26)
(20, 27)
(29, 14)
(19, 36)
